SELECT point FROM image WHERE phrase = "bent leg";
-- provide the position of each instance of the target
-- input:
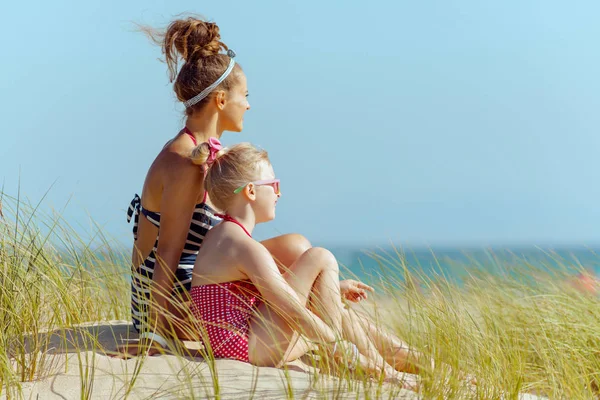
(286, 249)
(272, 337)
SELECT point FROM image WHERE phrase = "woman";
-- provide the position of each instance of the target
(214, 90)
(246, 307)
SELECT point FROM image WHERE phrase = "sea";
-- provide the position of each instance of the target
(389, 262)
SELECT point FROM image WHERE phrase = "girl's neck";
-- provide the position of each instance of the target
(243, 216)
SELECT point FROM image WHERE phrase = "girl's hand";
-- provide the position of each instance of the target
(354, 291)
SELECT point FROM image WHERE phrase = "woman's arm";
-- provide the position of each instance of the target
(146, 236)
(178, 201)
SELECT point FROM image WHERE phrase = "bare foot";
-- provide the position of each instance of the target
(407, 381)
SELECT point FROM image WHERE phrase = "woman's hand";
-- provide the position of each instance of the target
(141, 348)
(149, 344)
(354, 291)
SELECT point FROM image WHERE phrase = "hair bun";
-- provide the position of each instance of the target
(194, 38)
(197, 44)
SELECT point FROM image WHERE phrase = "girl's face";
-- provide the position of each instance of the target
(267, 195)
(236, 106)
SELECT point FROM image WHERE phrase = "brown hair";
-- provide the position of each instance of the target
(198, 44)
(234, 167)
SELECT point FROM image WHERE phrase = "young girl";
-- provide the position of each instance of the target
(246, 307)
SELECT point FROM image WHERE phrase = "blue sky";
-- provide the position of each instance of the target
(419, 123)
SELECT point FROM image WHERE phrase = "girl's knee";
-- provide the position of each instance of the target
(322, 257)
(297, 243)
(288, 248)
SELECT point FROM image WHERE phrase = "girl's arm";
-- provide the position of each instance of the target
(258, 264)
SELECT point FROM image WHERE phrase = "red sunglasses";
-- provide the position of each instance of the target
(271, 182)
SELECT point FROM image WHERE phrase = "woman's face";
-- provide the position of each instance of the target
(236, 105)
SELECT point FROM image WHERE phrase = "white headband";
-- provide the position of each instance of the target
(206, 92)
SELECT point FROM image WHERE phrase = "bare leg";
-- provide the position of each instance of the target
(273, 340)
(394, 350)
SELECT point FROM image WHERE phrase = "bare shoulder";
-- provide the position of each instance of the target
(177, 172)
(177, 164)
(233, 251)
(175, 175)
(250, 247)
(229, 239)
(253, 257)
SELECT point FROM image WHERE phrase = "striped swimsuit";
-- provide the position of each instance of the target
(202, 220)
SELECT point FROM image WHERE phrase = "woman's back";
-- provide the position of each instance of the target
(172, 163)
(169, 165)
(173, 209)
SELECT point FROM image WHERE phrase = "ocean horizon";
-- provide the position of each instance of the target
(370, 263)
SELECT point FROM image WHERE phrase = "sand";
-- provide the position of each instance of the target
(81, 368)
(167, 376)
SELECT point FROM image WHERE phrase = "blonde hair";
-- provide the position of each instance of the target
(234, 166)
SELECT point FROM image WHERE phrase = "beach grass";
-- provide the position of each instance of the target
(514, 326)
(51, 280)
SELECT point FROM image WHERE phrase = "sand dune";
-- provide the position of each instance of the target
(79, 364)
(74, 371)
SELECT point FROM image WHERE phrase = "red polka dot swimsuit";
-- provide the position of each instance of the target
(224, 311)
